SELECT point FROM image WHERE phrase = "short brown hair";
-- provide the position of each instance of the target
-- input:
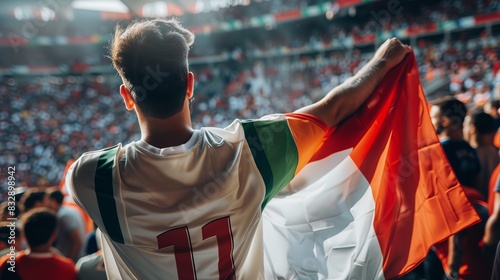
(151, 57)
(454, 109)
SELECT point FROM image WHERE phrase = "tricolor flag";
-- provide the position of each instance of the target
(376, 196)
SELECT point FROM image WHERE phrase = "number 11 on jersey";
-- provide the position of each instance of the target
(183, 251)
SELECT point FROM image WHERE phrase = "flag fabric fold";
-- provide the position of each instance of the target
(375, 197)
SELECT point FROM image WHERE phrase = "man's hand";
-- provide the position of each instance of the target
(345, 99)
(391, 53)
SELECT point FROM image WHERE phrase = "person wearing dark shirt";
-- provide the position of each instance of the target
(461, 255)
(463, 159)
(448, 118)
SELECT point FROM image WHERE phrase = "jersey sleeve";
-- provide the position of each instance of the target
(282, 145)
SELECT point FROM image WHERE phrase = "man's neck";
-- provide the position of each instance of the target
(41, 249)
(485, 140)
(162, 133)
(453, 134)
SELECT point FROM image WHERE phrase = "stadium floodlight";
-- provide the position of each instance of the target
(101, 5)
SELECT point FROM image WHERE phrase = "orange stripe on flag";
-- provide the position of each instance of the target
(306, 136)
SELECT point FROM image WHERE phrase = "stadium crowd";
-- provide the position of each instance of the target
(50, 120)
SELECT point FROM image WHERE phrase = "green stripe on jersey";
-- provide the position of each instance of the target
(274, 152)
(104, 193)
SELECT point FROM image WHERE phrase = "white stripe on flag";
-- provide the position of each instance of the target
(324, 231)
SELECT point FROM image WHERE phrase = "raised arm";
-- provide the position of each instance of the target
(346, 98)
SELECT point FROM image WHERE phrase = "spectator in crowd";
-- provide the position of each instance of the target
(461, 255)
(5, 213)
(38, 261)
(492, 108)
(492, 229)
(9, 237)
(495, 275)
(34, 198)
(91, 241)
(91, 267)
(71, 228)
(481, 129)
(448, 119)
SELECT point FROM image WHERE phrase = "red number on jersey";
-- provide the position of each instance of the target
(181, 240)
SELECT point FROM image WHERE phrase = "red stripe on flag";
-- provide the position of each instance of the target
(418, 200)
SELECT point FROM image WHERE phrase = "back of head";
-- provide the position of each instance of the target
(454, 110)
(31, 197)
(151, 58)
(482, 122)
(39, 226)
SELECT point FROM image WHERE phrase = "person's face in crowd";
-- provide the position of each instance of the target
(42, 203)
(491, 110)
(437, 119)
(52, 204)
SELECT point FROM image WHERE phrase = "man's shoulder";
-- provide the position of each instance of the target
(97, 153)
(92, 158)
(232, 133)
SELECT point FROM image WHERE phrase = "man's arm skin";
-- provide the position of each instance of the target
(491, 232)
(346, 98)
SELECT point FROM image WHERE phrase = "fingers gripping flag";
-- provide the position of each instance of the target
(375, 197)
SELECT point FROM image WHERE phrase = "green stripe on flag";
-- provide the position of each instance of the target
(274, 152)
(104, 193)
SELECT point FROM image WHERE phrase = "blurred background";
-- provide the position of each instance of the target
(59, 94)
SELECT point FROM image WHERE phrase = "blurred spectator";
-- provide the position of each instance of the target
(71, 228)
(492, 108)
(91, 241)
(496, 265)
(34, 198)
(461, 254)
(91, 267)
(482, 132)
(5, 213)
(9, 237)
(38, 262)
(492, 230)
(448, 119)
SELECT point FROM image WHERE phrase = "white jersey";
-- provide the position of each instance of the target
(192, 211)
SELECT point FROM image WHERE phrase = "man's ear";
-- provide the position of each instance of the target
(127, 97)
(190, 85)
